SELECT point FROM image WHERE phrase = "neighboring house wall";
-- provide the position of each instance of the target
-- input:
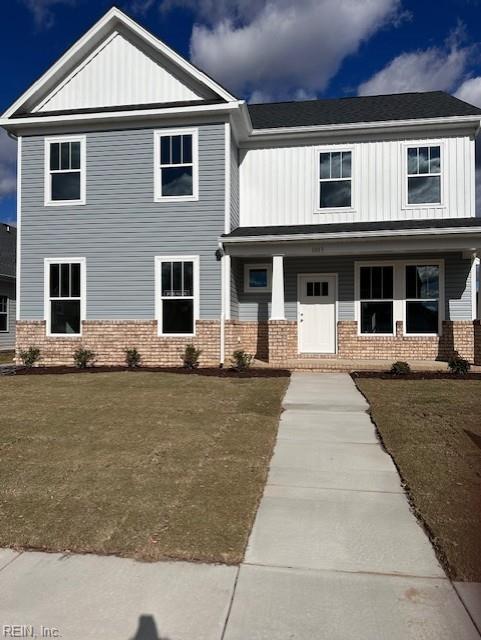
(278, 185)
(7, 338)
(120, 228)
(256, 306)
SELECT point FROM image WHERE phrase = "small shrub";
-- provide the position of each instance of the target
(132, 358)
(83, 358)
(459, 366)
(30, 356)
(241, 360)
(191, 357)
(400, 368)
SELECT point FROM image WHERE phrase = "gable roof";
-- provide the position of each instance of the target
(383, 108)
(8, 249)
(158, 67)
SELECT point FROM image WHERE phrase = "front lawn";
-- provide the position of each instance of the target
(146, 465)
(432, 428)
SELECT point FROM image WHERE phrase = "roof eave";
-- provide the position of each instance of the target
(469, 121)
(348, 235)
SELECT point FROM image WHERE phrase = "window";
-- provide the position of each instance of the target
(317, 289)
(424, 175)
(335, 179)
(177, 287)
(422, 299)
(3, 314)
(65, 283)
(257, 278)
(176, 165)
(65, 171)
(376, 299)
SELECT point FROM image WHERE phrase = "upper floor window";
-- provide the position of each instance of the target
(65, 170)
(64, 296)
(176, 165)
(424, 175)
(3, 314)
(335, 188)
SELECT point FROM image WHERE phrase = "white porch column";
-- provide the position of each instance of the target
(277, 304)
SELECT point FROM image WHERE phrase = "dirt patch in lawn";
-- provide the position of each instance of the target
(6, 357)
(432, 428)
(145, 465)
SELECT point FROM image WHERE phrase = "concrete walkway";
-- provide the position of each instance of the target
(335, 553)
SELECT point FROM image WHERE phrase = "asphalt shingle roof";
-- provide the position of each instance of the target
(401, 106)
(8, 249)
(342, 227)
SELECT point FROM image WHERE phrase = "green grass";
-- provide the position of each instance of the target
(146, 465)
(432, 428)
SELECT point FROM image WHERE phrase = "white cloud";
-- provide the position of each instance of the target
(8, 157)
(432, 69)
(42, 11)
(276, 48)
(470, 91)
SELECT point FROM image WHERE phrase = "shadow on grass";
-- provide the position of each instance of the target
(147, 629)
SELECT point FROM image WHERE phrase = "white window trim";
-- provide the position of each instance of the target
(7, 313)
(399, 293)
(415, 144)
(83, 294)
(158, 197)
(247, 269)
(158, 260)
(317, 177)
(377, 263)
(48, 202)
(441, 310)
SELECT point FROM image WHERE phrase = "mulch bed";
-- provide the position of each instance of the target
(415, 375)
(216, 372)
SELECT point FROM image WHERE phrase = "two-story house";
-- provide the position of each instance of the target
(156, 209)
(8, 244)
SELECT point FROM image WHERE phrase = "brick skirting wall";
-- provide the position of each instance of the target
(274, 342)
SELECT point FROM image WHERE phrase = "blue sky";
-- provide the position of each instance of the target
(263, 49)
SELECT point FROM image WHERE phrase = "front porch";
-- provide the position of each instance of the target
(306, 303)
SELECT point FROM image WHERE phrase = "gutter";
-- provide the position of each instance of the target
(347, 235)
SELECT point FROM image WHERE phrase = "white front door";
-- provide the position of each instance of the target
(317, 313)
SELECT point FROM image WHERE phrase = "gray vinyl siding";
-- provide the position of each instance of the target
(121, 228)
(7, 339)
(256, 306)
(234, 186)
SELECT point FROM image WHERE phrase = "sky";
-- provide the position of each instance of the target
(263, 50)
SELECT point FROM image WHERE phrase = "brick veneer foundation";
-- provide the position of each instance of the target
(109, 338)
(274, 342)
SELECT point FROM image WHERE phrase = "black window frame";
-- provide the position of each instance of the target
(433, 172)
(411, 301)
(65, 285)
(344, 176)
(169, 293)
(371, 296)
(55, 162)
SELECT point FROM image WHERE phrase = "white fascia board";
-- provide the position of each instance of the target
(93, 37)
(258, 135)
(137, 114)
(355, 234)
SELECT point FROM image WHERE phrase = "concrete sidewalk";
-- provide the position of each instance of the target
(335, 553)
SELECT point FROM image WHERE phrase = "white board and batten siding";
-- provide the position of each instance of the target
(278, 185)
(120, 73)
